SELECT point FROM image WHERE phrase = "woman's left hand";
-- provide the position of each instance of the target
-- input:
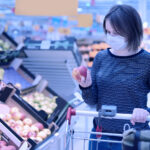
(139, 115)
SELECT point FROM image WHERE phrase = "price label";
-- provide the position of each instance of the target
(45, 44)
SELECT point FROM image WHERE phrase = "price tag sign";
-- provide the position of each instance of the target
(45, 44)
(46, 7)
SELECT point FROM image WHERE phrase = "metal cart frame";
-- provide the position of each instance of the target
(107, 113)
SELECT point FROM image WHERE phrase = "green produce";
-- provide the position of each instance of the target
(4, 46)
(40, 102)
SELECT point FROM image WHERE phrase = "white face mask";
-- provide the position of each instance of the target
(116, 42)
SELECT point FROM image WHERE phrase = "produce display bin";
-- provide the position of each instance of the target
(9, 49)
(57, 117)
(12, 100)
(10, 138)
(56, 67)
(16, 74)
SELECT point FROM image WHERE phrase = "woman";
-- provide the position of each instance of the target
(120, 75)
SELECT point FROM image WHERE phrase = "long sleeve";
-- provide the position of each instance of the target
(90, 94)
(123, 81)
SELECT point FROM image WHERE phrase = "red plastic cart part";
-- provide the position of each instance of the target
(70, 112)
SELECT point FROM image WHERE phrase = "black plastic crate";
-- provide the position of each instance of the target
(9, 97)
(6, 56)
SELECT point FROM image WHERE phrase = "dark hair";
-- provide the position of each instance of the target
(126, 21)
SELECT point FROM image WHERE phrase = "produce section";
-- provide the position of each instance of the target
(24, 126)
(40, 102)
(23, 120)
(9, 140)
(34, 91)
(55, 64)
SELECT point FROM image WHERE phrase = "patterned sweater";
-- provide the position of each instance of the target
(123, 81)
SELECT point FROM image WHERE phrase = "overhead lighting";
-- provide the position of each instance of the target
(79, 9)
(145, 24)
(119, 2)
(88, 4)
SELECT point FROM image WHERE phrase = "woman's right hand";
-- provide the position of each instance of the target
(83, 81)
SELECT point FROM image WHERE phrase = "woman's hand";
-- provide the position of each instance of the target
(139, 115)
(83, 81)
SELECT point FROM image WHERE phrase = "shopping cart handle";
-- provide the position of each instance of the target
(70, 112)
(96, 114)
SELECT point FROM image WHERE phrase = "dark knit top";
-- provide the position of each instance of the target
(123, 81)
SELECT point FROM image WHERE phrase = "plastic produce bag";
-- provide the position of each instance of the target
(136, 140)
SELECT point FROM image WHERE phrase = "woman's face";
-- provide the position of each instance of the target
(109, 28)
(114, 40)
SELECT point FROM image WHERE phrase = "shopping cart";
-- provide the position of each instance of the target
(109, 112)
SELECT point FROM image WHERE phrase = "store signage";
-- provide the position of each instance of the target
(85, 20)
(45, 44)
(46, 7)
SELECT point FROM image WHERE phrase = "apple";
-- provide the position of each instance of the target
(46, 131)
(11, 147)
(19, 123)
(18, 129)
(16, 116)
(24, 133)
(4, 148)
(39, 139)
(76, 74)
(12, 123)
(83, 71)
(31, 134)
(53, 105)
(34, 128)
(2, 143)
(27, 121)
(7, 117)
(26, 127)
(39, 125)
(42, 134)
(49, 111)
(22, 116)
(14, 110)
